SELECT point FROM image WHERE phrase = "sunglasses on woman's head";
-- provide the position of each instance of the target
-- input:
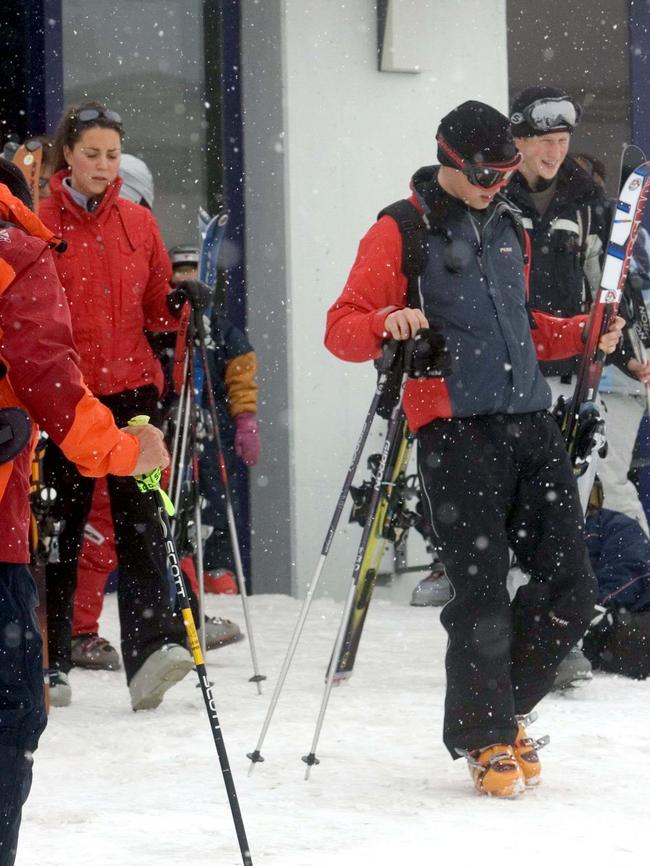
(88, 114)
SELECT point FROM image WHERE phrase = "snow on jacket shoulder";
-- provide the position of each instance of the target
(377, 286)
(40, 372)
(115, 274)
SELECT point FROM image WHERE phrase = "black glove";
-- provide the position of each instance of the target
(197, 293)
(590, 435)
(15, 433)
(430, 358)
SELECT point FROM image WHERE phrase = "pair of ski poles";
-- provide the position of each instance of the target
(188, 403)
(150, 483)
(395, 352)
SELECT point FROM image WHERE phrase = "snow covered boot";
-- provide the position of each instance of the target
(159, 672)
(94, 652)
(526, 751)
(434, 590)
(495, 771)
(220, 632)
(60, 691)
(574, 671)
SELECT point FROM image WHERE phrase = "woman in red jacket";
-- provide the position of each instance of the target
(116, 277)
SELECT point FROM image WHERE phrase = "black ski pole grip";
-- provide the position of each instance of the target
(390, 351)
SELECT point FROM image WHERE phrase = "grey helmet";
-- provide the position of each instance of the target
(184, 254)
(137, 180)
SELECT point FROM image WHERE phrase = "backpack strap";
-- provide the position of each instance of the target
(415, 245)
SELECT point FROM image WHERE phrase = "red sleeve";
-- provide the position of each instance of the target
(43, 367)
(555, 338)
(156, 313)
(375, 287)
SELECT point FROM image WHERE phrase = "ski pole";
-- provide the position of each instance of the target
(394, 429)
(386, 364)
(257, 677)
(151, 483)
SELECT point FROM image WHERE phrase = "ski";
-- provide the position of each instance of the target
(631, 157)
(212, 231)
(390, 524)
(581, 418)
(28, 158)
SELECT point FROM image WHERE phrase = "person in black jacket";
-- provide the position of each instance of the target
(567, 216)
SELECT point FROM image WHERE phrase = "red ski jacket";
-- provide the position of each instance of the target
(377, 286)
(39, 370)
(115, 274)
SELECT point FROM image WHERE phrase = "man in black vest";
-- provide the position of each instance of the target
(494, 470)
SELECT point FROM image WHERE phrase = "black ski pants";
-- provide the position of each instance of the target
(145, 594)
(22, 705)
(492, 484)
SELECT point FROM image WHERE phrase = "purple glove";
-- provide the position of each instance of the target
(247, 438)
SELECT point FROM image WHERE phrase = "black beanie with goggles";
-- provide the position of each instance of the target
(478, 134)
(543, 110)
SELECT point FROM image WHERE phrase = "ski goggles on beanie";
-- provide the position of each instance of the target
(483, 174)
(553, 114)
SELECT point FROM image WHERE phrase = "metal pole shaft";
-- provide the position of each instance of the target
(255, 756)
(230, 513)
(394, 428)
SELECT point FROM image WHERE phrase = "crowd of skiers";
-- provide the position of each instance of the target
(516, 236)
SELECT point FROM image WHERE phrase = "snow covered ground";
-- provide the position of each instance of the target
(112, 786)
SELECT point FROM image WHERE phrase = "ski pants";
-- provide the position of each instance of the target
(145, 594)
(22, 705)
(492, 484)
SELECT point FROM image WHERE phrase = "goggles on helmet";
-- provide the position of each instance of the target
(545, 115)
(483, 174)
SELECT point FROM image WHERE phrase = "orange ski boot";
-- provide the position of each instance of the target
(495, 771)
(526, 751)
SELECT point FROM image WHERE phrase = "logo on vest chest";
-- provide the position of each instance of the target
(505, 250)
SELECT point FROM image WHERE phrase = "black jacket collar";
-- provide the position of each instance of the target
(574, 186)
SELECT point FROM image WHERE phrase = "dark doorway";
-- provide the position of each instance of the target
(582, 47)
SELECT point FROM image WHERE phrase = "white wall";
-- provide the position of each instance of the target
(352, 137)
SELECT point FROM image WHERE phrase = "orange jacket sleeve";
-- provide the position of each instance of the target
(240, 383)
